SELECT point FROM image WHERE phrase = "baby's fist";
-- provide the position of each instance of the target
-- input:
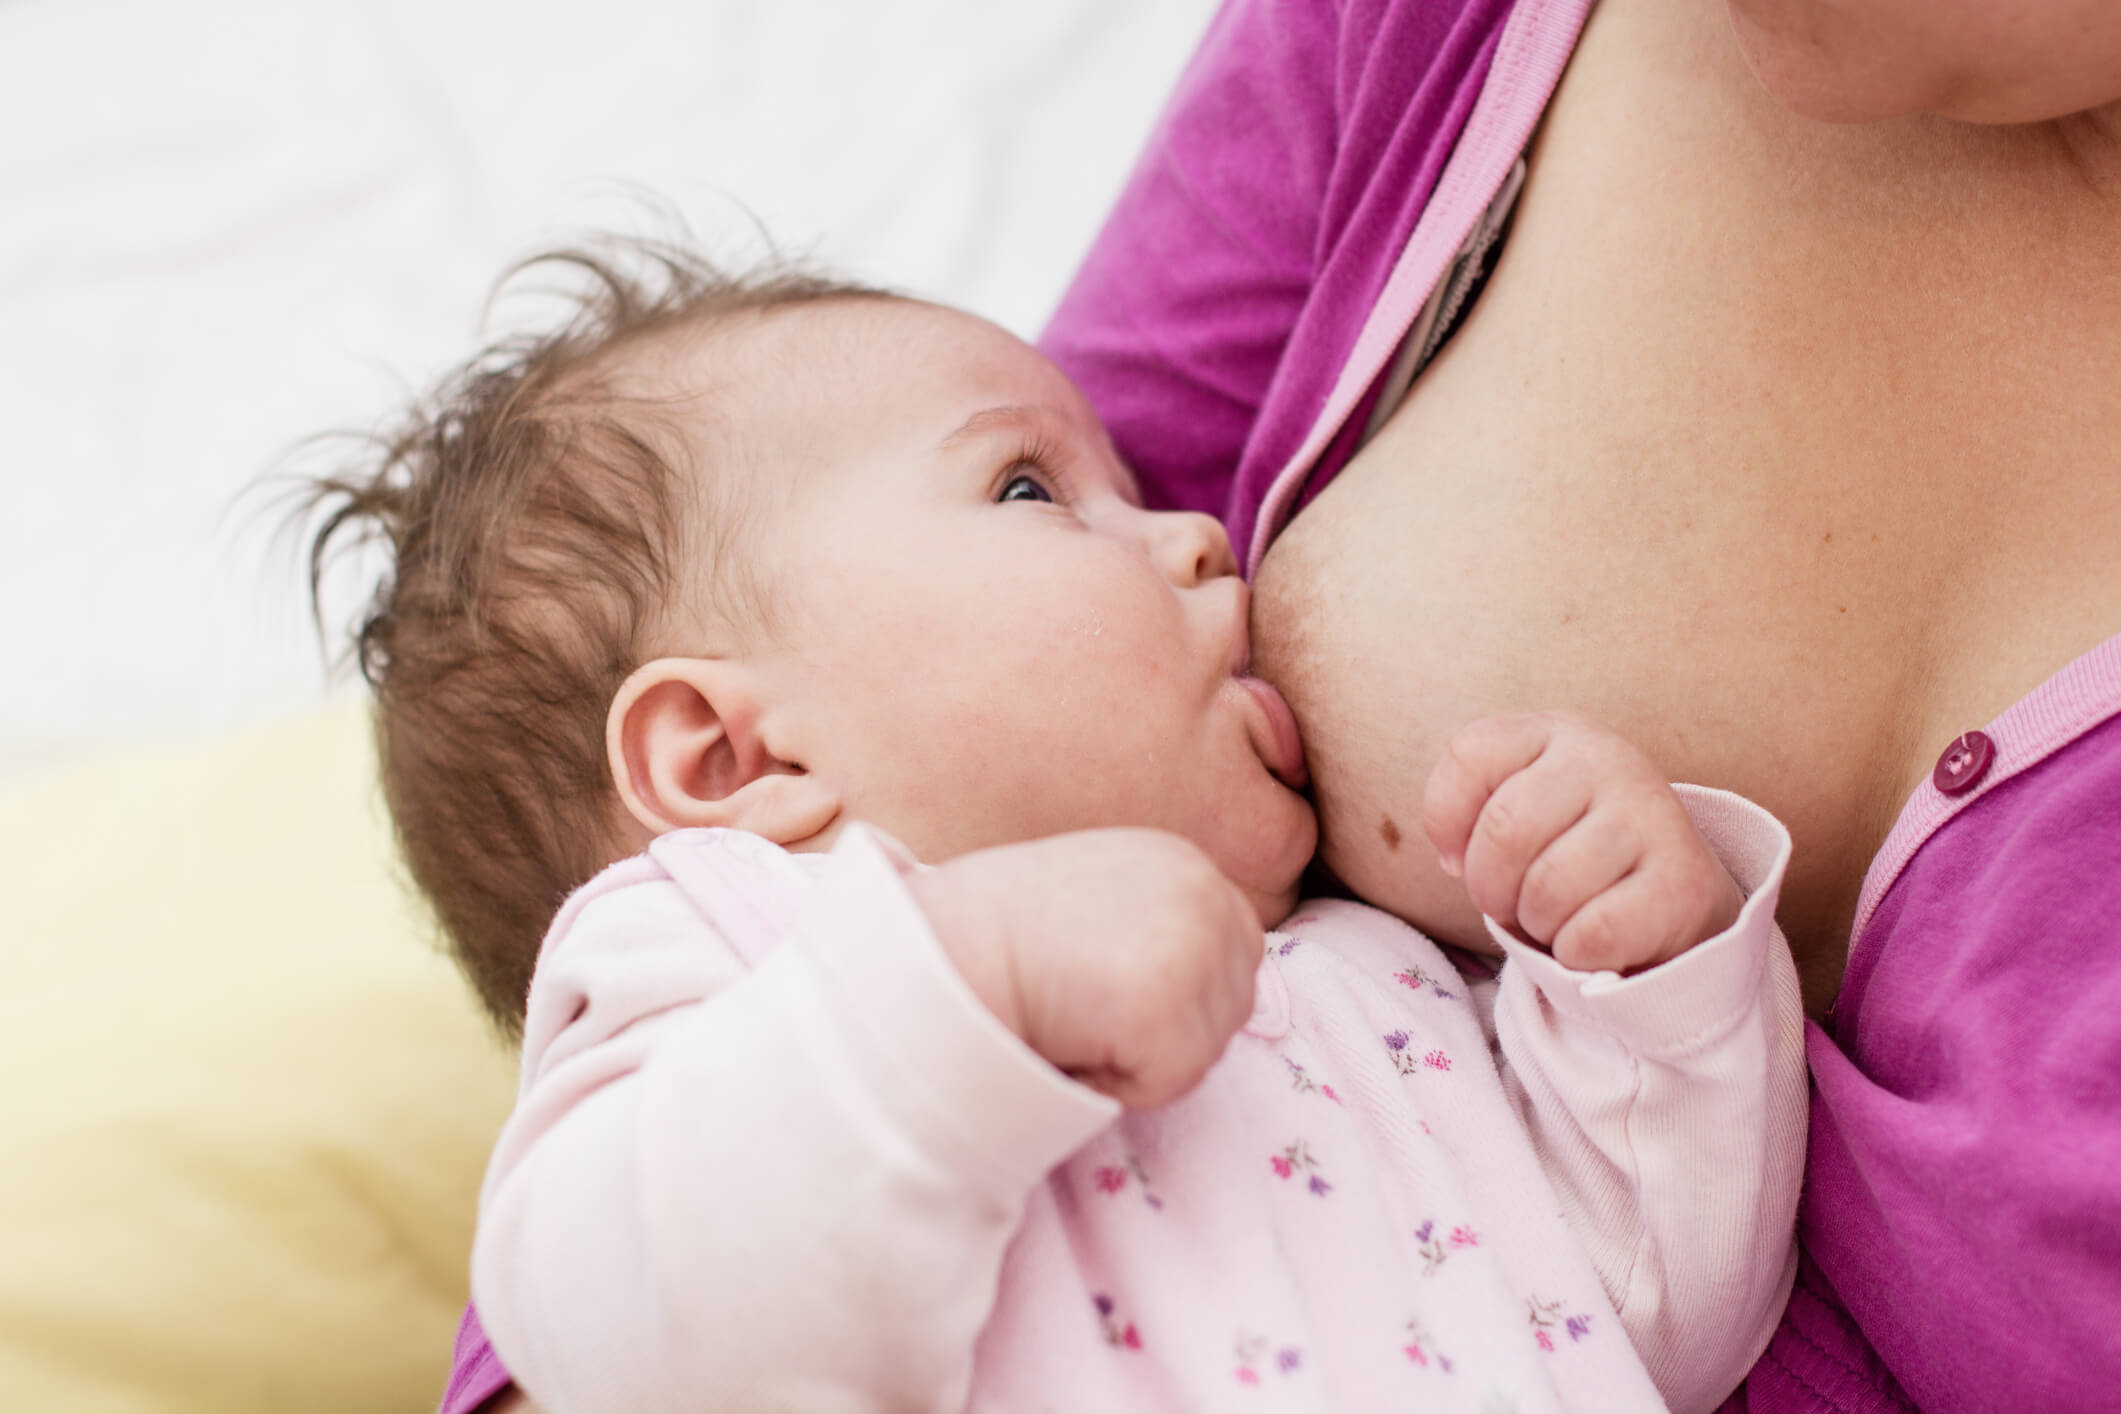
(1123, 956)
(1566, 834)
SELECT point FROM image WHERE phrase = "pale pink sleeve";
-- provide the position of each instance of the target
(787, 1187)
(1668, 1109)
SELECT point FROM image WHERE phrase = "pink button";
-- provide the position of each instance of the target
(1964, 763)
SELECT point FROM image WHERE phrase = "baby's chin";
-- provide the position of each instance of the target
(1271, 880)
(1272, 908)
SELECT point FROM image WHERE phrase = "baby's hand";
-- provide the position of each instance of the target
(1124, 957)
(1567, 834)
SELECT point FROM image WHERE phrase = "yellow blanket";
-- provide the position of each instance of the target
(244, 1100)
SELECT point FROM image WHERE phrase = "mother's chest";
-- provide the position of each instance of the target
(1766, 443)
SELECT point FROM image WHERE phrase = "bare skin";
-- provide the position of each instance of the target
(1789, 450)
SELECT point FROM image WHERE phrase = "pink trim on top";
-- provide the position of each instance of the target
(1536, 43)
(2057, 712)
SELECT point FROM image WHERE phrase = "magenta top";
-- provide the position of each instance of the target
(1252, 251)
(1312, 179)
(476, 1374)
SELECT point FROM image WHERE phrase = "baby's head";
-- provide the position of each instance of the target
(774, 553)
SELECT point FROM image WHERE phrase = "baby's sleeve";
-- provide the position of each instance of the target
(1668, 1110)
(784, 1187)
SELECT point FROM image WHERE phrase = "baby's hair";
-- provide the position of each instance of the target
(536, 533)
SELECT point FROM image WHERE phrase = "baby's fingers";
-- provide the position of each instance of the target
(1225, 998)
(1191, 1007)
(1629, 926)
(1479, 759)
(1476, 763)
(1657, 911)
(1586, 860)
(1523, 820)
(1179, 1055)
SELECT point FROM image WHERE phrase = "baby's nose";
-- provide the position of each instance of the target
(1192, 548)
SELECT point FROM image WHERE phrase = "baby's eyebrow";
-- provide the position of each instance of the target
(1022, 417)
(1010, 416)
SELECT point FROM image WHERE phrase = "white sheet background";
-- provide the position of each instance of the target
(228, 224)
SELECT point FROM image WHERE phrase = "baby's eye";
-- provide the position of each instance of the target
(1024, 488)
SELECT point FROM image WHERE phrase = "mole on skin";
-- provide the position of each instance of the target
(1390, 832)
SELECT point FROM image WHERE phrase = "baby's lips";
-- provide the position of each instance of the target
(1283, 750)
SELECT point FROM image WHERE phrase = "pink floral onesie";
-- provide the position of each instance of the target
(770, 1153)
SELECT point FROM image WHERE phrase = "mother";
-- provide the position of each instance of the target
(1785, 435)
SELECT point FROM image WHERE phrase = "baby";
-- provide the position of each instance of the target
(770, 594)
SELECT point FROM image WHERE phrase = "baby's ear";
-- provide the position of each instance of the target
(685, 750)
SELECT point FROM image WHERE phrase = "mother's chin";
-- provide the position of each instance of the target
(1972, 60)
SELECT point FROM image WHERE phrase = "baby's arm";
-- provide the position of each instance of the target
(1651, 1030)
(793, 1186)
(784, 1187)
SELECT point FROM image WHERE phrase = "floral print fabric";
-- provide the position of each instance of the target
(1346, 1215)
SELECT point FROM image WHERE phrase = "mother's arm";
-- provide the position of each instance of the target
(1177, 320)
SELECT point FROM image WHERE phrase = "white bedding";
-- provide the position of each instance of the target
(228, 224)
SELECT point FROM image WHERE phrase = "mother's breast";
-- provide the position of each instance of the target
(1655, 478)
(1456, 574)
